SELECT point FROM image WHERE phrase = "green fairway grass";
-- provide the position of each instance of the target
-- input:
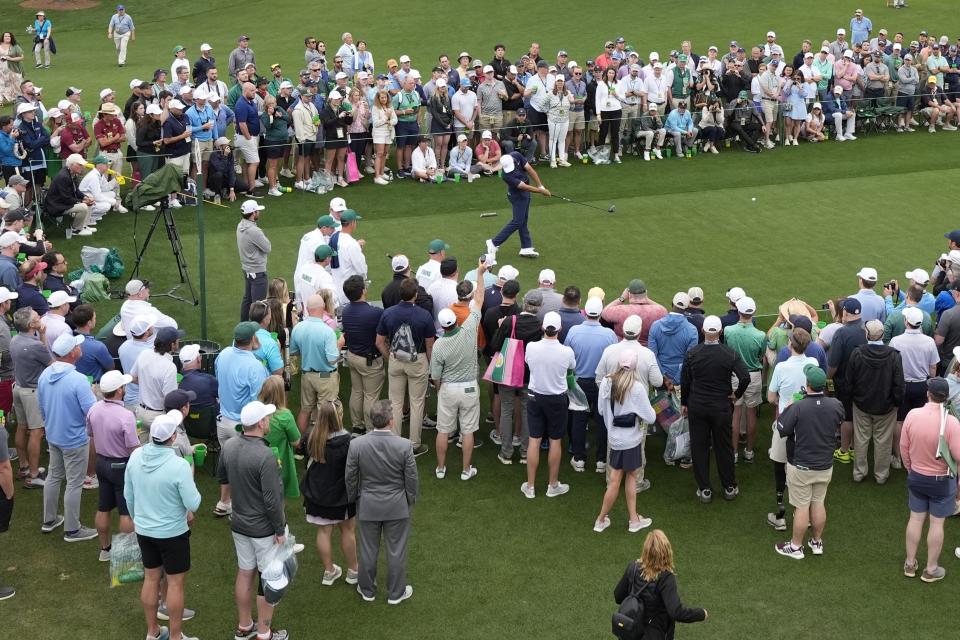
(484, 561)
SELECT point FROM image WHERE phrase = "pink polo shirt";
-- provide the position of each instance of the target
(919, 439)
(649, 311)
(114, 429)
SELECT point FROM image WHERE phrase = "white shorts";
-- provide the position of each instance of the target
(247, 148)
(226, 429)
(778, 446)
(251, 552)
(181, 161)
(458, 400)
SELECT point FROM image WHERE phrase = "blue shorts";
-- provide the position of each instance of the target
(547, 415)
(306, 148)
(407, 134)
(627, 460)
(906, 102)
(931, 494)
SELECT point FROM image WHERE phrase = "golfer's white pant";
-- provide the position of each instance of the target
(838, 119)
(121, 43)
(558, 139)
(648, 138)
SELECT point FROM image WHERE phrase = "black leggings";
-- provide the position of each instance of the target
(610, 123)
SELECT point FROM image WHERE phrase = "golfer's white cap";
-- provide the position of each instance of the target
(506, 163)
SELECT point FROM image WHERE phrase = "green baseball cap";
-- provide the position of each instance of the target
(743, 95)
(100, 160)
(177, 49)
(245, 331)
(323, 252)
(349, 215)
(326, 221)
(637, 286)
(682, 57)
(436, 246)
(816, 378)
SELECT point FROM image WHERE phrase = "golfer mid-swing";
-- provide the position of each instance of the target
(517, 173)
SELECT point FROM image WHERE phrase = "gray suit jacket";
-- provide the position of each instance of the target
(381, 476)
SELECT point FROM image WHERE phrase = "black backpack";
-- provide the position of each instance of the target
(629, 621)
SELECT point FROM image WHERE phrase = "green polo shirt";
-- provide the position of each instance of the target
(403, 101)
(748, 341)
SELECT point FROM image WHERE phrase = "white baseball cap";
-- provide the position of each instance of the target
(113, 380)
(735, 294)
(153, 110)
(654, 56)
(24, 108)
(486, 135)
(255, 411)
(206, 47)
(508, 272)
(338, 204)
(250, 206)
(361, 75)
(919, 276)
(66, 343)
(184, 90)
(593, 308)
(105, 92)
(712, 324)
(681, 300)
(547, 275)
(552, 320)
(488, 69)
(165, 425)
(134, 287)
(136, 82)
(404, 58)
(771, 34)
(446, 318)
(399, 262)
(189, 353)
(8, 239)
(176, 104)
(60, 298)
(695, 293)
(506, 163)
(913, 316)
(141, 324)
(868, 274)
(340, 76)
(633, 325)
(841, 32)
(746, 306)
(6, 294)
(415, 74)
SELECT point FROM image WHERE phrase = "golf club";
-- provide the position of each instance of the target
(610, 209)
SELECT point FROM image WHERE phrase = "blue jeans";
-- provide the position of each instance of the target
(578, 436)
(521, 211)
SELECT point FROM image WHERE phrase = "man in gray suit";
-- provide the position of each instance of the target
(382, 479)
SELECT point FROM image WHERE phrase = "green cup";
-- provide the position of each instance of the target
(273, 334)
(191, 459)
(199, 454)
(669, 152)
(179, 378)
(46, 293)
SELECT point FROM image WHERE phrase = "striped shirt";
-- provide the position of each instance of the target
(454, 357)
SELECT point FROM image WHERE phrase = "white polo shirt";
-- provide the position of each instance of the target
(352, 263)
(310, 279)
(444, 294)
(428, 273)
(308, 244)
(156, 376)
(918, 352)
(549, 360)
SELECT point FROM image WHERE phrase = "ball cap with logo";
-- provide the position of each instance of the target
(253, 412)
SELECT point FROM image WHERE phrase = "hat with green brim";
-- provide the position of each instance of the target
(101, 160)
(816, 378)
(349, 215)
(743, 95)
(326, 221)
(177, 49)
(323, 252)
(245, 331)
(682, 57)
(436, 246)
(637, 286)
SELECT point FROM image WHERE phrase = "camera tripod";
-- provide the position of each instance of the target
(174, 237)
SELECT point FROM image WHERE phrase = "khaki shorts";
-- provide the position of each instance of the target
(751, 397)
(492, 123)
(577, 123)
(458, 400)
(247, 149)
(770, 108)
(26, 404)
(594, 124)
(316, 388)
(202, 149)
(181, 161)
(807, 487)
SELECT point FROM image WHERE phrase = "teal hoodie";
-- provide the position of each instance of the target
(159, 489)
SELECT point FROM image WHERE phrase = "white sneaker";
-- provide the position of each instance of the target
(553, 164)
(330, 577)
(637, 525)
(286, 173)
(780, 524)
(528, 491)
(563, 163)
(558, 489)
(529, 252)
(469, 473)
(769, 144)
(175, 204)
(600, 525)
(616, 159)
(658, 154)
(208, 193)
(86, 231)
(816, 546)
(301, 185)
(381, 181)
(104, 555)
(352, 576)
(119, 208)
(440, 472)
(274, 192)
(578, 155)
(90, 482)
(713, 149)
(369, 170)
(949, 127)
(840, 139)
(850, 136)
(601, 467)
(646, 156)
(260, 182)
(407, 593)
(578, 465)
(472, 176)
(932, 129)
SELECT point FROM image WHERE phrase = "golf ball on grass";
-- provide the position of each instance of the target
(753, 199)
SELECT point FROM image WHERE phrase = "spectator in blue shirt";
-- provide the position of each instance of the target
(588, 340)
(223, 116)
(203, 122)
(269, 350)
(95, 359)
(860, 27)
(203, 385)
(121, 31)
(367, 372)
(872, 305)
(9, 269)
(679, 125)
(319, 351)
(248, 132)
(671, 337)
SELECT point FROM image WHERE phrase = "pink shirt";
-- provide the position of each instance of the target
(919, 439)
(114, 429)
(649, 311)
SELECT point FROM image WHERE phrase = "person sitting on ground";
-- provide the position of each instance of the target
(424, 162)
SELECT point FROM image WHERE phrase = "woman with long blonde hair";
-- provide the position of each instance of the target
(325, 492)
(384, 119)
(662, 605)
(284, 435)
(622, 401)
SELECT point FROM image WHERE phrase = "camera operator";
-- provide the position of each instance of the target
(742, 120)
